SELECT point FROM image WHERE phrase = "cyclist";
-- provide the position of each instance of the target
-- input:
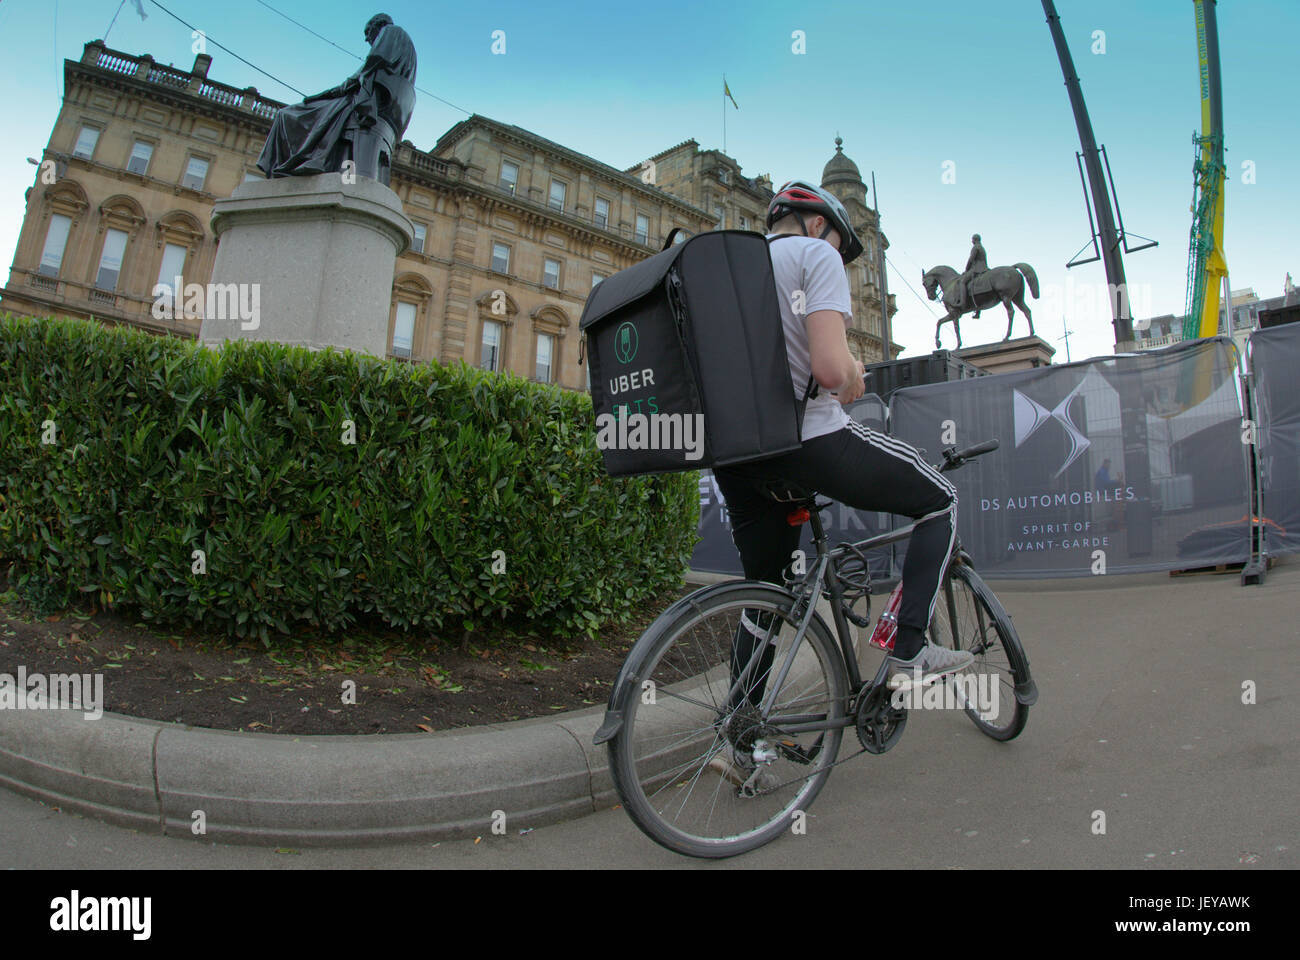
(840, 458)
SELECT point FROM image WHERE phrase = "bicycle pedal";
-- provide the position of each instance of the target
(793, 752)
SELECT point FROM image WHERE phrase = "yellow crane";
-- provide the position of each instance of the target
(1207, 267)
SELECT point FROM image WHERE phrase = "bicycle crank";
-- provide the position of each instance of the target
(879, 723)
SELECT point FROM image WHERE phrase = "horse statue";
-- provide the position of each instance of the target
(1005, 284)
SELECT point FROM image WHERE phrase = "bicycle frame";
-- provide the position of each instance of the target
(822, 579)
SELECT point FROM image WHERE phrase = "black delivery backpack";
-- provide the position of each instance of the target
(693, 330)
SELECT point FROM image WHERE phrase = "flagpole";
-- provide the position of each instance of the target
(724, 113)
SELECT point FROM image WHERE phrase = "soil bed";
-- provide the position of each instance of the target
(403, 683)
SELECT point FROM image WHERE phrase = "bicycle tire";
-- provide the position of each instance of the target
(982, 627)
(697, 633)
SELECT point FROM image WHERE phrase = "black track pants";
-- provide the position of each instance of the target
(861, 468)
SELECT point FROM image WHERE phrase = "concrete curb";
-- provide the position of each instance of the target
(307, 791)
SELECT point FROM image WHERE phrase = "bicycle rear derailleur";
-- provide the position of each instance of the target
(879, 723)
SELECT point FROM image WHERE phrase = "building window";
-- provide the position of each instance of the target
(86, 141)
(171, 271)
(551, 274)
(721, 215)
(421, 233)
(642, 228)
(602, 212)
(596, 278)
(723, 178)
(250, 175)
(139, 159)
(403, 329)
(545, 346)
(509, 176)
(744, 223)
(500, 258)
(558, 190)
(196, 173)
(491, 356)
(110, 261)
(56, 240)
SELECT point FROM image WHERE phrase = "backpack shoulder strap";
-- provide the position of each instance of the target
(813, 387)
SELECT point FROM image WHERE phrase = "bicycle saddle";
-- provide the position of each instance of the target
(783, 491)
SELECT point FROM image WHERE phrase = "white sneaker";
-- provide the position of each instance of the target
(931, 663)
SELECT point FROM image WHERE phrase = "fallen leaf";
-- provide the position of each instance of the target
(425, 727)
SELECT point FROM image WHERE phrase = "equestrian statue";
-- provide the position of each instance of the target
(979, 288)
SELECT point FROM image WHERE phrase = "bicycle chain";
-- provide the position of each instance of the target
(850, 699)
(807, 776)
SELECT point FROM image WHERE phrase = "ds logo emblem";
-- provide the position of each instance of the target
(625, 343)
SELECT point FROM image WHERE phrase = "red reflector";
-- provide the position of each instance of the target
(797, 517)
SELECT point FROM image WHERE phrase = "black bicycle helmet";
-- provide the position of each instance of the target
(799, 195)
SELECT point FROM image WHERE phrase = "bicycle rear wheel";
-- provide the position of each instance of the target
(684, 761)
(964, 619)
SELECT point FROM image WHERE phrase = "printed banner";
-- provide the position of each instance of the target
(1125, 464)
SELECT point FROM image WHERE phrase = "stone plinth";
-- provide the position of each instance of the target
(314, 255)
(1008, 356)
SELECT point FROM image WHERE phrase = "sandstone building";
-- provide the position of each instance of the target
(512, 229)
(712, 181)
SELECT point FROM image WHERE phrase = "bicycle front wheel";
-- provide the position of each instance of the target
(964, 619)
(701, 767)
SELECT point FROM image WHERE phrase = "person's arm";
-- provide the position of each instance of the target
(833, 366)
(826, 287)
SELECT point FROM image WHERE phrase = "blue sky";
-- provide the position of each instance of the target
(908, 86)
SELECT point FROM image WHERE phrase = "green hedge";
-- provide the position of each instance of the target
(164, 447)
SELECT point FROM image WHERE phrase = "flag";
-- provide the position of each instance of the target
(139, 8)
(726, 90)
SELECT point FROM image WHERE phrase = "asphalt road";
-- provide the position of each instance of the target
(1140, 716)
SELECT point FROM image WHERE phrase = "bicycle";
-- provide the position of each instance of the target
(713, 751)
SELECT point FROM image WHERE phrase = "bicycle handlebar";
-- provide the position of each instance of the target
(952, 459)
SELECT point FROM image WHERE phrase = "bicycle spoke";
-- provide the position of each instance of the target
(704, 722)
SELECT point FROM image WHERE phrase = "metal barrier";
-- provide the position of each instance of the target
(1125, 464)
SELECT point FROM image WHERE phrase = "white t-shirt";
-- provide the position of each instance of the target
(815, 267)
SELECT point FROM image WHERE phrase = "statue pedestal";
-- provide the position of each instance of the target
(1008, 356)
(313, 255)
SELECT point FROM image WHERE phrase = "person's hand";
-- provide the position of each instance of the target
(856, 386)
